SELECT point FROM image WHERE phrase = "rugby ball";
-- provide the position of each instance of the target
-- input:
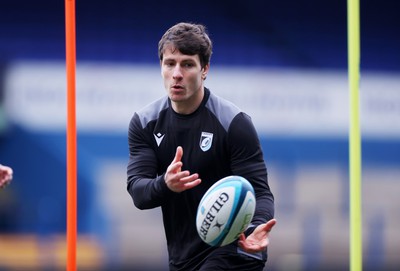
(225, 211)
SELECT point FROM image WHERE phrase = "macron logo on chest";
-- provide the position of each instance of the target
(159, 137)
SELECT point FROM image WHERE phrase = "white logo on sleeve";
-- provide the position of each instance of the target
(159, 137)
(206, 141)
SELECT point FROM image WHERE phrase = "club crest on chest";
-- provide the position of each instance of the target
(206, 141)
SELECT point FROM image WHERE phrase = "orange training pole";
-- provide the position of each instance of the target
(71, 135)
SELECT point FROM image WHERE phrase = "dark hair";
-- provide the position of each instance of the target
(189, 39)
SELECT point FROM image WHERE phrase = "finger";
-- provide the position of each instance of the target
(9, 171)
(175, 167)
(182, 176)
(191, 181)
(183, 185)
(270, 224)
(178, 154)
(188, 178)
(192, 184)
(266, 227)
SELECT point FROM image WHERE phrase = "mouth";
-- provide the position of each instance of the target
(176, 87)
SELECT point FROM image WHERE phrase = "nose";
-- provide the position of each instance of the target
(176, 74)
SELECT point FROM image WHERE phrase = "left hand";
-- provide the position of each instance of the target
(5, 175)
(258, 240)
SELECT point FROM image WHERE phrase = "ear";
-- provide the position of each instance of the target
(206, 68)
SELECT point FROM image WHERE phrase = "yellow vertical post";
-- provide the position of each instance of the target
(353, 34)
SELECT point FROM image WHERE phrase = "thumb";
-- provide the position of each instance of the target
(178, 154)
(270, 224)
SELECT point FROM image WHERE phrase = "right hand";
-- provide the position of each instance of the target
(178, 180)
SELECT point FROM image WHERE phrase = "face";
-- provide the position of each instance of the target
(183, 80)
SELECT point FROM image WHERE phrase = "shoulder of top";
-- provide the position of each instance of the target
(151, 111)
(225, 111)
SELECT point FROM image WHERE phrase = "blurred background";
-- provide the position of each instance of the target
(283, 62)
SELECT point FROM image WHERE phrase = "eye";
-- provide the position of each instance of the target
(169, 63)
(188, 65)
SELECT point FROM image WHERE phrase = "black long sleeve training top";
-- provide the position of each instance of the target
(218, 140)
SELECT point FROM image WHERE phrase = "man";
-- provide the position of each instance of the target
(5, 175)
(169, 168)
